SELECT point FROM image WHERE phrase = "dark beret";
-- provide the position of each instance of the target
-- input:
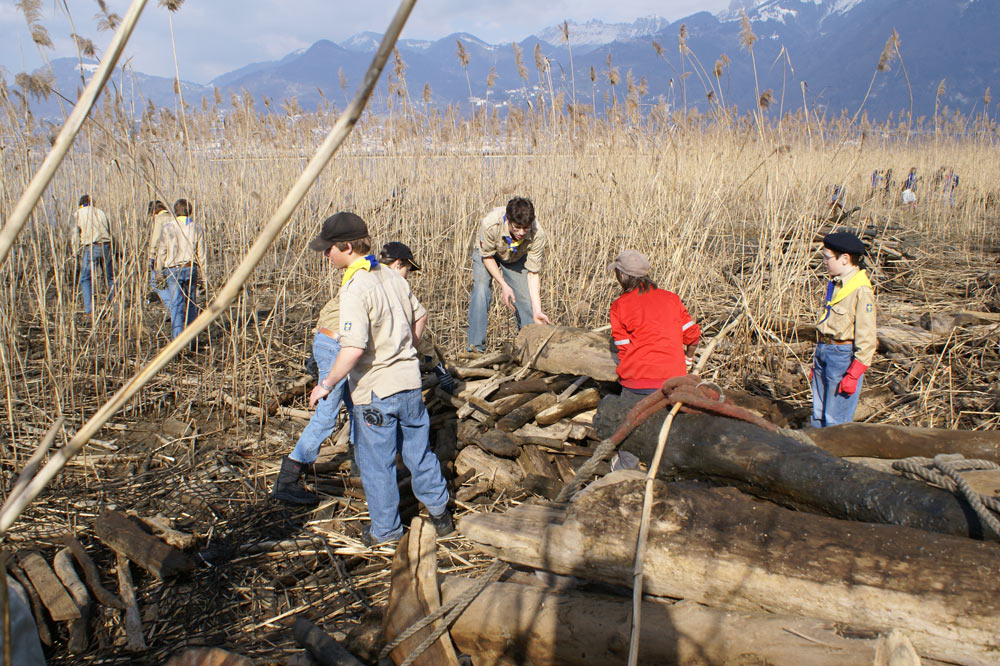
(845, 241)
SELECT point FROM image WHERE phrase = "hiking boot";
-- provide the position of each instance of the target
(369, 541)
(443, 524)
(286, 486)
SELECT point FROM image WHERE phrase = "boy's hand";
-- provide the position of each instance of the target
(542, 318)
(318, 393)
(849, 384)
(507, 295)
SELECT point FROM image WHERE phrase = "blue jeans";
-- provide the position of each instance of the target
(831, 407)
(396, 424)
(324, 420)
(479, 303)
(182, 290)
(92, 256)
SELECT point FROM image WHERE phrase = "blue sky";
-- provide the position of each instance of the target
(217, 36)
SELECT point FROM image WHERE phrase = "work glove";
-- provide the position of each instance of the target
(445, 380)
(849, 384)
(312, 367)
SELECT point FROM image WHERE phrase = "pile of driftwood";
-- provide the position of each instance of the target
(766, 545)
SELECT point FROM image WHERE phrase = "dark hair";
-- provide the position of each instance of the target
(856, 259)
(520, 212)
(358, 245)
(85, 200)
(630, 282)
(155, 207)
(182, 208)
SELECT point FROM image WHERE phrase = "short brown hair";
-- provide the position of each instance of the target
(359, 245)
(520, 212)
(182, 208)
(630, 282)
(155, 207)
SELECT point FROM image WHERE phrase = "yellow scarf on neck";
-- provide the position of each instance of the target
(363, 264)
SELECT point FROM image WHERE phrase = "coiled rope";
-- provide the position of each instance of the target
(945, 470)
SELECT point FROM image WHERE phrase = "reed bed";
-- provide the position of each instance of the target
(726, 206)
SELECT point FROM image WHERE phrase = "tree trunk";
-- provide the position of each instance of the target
(891, 441)
(722, 548)
(789, 472)
(126, 538)
(510, 623)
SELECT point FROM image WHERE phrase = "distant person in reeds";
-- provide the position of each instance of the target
(180, 260)
(909, 196)
(381, 321)
(92, 240)
(399, 257)
(158, 216)
(509, 250)
(846, 339)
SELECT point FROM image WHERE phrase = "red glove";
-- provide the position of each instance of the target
(849, 384)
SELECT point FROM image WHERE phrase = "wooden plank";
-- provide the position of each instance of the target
(414, 594)
(582, 401)
(533, 461)
(126, 538)
(51, 592)
(874, 440)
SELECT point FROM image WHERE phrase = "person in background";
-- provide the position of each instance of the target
(509, 250)
(158, 214)
(92, 239)
(399, 257)
(181, 259)
(846, 333)
(380, 322)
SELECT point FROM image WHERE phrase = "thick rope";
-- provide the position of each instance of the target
(448, 611)
(945, 471)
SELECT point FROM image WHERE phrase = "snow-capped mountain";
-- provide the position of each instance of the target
(598, 33)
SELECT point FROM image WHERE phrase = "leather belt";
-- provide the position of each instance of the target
(827, 340)
(328, 333)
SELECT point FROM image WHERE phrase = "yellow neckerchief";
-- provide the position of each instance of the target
(363, 264)
(859, 279)
(512, 244)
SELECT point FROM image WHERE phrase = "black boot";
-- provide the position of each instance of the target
(443, 524)
(286, 486)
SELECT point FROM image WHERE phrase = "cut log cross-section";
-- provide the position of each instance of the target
(725, 549)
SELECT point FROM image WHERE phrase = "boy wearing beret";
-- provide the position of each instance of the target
(845, 334)
(380, 323)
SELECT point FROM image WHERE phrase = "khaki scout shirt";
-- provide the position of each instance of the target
(181, 242)
(377, 312)
(90, 226)
(329, 316)
(852, 319)
(491, 243)
(154, 236)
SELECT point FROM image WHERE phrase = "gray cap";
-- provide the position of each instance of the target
(631, 262)
(338, 228)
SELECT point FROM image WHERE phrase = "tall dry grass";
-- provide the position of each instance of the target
(717, 201)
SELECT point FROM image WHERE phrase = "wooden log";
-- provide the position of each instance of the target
(498, 442)
(942, 323)
(51, 592)
(321, 646)
(789, 472)
(533, 385)
(414, 594)
(573, 351)
(904, 338)
(514, 623)
(533, 461)
(62, 564)
(504, 475)
(208, 657)
(163, 527)
(872, 440)
(126, 538)
(526, 412)
(580, 402)
(91, 574)
(895, 649)
(725, 549)
(136, 641)
(506, 405)
(37, 608)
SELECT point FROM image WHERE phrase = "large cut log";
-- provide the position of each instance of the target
(413, 595)
(324, 650)
(870, 440)
(789, 472)
(512, 623)
(725, 549)
(126, 538)
(573, 351)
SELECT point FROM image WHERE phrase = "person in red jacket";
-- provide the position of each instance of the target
(652, 330)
